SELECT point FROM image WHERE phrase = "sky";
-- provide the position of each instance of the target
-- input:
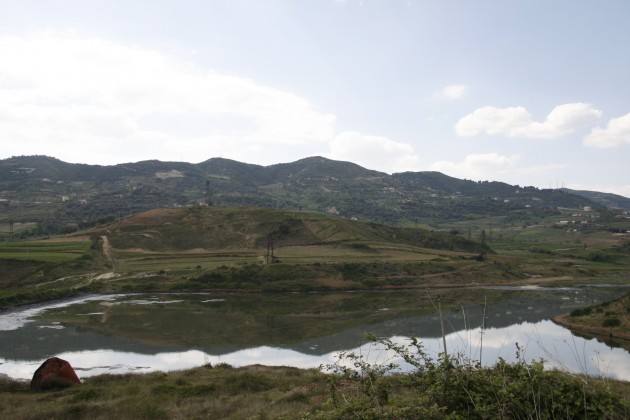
(528, 92)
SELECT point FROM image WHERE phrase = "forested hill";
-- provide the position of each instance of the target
(41, 188)
(609, 200)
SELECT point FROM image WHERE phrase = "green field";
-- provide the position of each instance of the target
(46, 251)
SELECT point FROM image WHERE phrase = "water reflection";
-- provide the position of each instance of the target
(123, 334)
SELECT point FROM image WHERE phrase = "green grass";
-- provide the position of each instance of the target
(205, 392)
(183, 263)
(5, 228)
(131, 261)
(436, 391)
(45, 251)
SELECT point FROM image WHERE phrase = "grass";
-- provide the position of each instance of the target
(185, 262)
(129, 261)
(209, 392)
(435, 390)
(45, 251)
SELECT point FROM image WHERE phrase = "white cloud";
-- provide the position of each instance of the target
(477, 166)
(616, 133)
(497, 167)
(91, 100)
(450, 92)
(373, 152)
(518, 122)
(454, 91)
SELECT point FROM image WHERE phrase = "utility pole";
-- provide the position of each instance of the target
(208, 198)
(270, 258)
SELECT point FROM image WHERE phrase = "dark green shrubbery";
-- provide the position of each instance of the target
(454, 387)
(611, 322)
(581, 312)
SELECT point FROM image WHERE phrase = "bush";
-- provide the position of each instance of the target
(599, 256)
(581, 312)
(611, 322)
(455, 387)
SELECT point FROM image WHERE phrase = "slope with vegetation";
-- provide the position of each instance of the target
(218, 248)
(609, 321)
(40, 195)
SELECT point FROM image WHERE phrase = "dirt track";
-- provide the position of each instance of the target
(107, 250)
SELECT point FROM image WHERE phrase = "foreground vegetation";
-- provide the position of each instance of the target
(456, 387)
(353, 388)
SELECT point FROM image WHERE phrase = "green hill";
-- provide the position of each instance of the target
(252, 228)
(60, 197)
(613, 201)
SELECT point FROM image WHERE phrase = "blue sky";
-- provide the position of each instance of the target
(527, 92)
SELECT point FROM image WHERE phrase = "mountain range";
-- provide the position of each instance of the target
(49, 191)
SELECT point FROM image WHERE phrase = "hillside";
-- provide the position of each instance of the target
(208, 228)
(204, 248)
(59, 197)
(219, 248)
(613, 201)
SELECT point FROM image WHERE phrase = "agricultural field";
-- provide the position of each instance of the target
(53, 251)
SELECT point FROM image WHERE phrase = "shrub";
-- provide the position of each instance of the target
(599, 256)
(611, 322)
(456, 387)
(581, 312)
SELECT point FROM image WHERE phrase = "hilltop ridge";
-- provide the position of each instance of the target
(62, 196)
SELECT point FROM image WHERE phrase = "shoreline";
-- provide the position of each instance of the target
(563, 321)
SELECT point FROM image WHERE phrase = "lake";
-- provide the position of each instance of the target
(149, 332)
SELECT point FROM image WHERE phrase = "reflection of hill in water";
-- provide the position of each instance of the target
(33, 343)
(289, 330)
(616, 342)
(525, 307)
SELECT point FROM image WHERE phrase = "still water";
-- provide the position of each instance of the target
(145, 333)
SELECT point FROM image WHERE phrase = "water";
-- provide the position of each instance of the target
(145, 333)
